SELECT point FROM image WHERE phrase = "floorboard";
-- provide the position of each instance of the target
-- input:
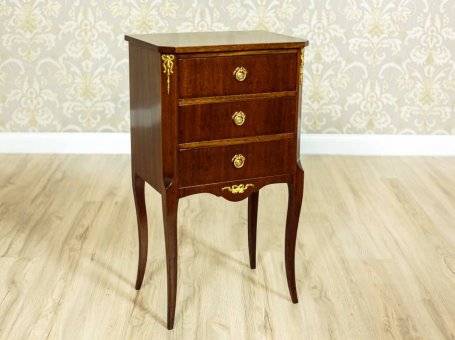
(375, 255)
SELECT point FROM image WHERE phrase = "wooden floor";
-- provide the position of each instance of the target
(375, 254)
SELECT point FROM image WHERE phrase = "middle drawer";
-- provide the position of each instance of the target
(236, 119)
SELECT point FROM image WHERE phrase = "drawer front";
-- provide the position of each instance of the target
(216, 164)
(241, 74)
(236, 119)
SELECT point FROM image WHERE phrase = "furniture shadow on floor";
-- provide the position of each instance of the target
(156, 269)
(235, 266)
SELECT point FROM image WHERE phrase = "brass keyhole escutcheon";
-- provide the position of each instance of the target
(239, 118)
(238, 160)
(240, 73)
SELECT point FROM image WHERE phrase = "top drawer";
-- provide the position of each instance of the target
(238, 74)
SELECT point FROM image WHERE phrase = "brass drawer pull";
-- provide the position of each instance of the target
(238, 189)
(238, 160)
(240, 73)
(239, 118)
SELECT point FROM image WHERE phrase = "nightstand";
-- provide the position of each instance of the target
(215, 113)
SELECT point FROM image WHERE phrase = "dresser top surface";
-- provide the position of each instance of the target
(216, 41)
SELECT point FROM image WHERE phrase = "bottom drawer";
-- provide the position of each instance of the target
(234, 162)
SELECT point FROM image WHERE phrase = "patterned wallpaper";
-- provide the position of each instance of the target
(373, 66)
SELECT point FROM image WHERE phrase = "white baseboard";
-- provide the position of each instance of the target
(65, 142)
(377, 145)
(311, 144)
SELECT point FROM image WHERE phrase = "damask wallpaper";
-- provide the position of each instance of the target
(373, 66)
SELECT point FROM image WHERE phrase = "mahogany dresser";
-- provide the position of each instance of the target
(215, 113)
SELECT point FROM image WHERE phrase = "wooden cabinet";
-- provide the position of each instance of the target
(216, 113)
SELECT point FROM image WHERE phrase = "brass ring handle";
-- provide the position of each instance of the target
(240, 73)
(238, 160)
(239, 118)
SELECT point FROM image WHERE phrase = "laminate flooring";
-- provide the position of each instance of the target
(375, 254)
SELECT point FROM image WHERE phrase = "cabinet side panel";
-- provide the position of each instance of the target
(145, 104)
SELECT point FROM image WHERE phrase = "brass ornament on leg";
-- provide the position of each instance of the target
(168, 68)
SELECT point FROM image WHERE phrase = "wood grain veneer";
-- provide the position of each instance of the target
(213, 76)
(215, 121)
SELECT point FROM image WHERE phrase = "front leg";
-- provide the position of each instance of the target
(170, 200)
(295, 189)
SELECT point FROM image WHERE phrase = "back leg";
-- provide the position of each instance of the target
(252, 226)
(141, 214)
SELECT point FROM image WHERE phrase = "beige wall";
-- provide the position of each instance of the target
(374, 66)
